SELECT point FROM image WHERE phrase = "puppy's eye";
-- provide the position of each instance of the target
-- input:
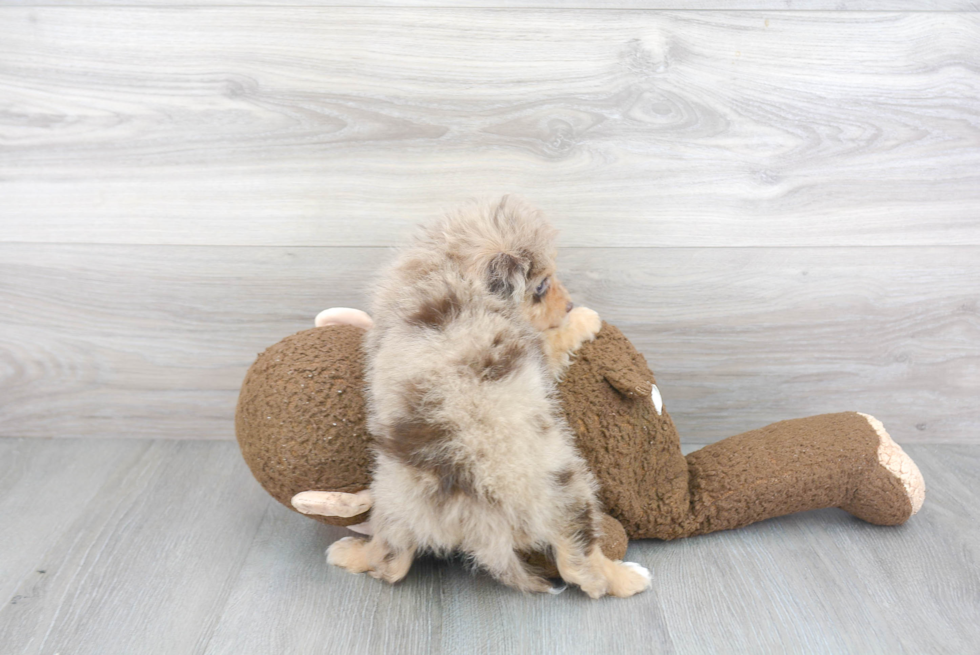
(543, 287)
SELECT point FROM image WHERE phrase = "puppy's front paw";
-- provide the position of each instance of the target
(584, 323)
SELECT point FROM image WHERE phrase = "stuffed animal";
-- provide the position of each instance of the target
(300, 423)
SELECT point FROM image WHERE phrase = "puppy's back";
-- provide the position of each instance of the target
(459, 394)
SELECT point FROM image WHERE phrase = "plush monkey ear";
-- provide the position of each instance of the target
(507, 275)
(621, 363)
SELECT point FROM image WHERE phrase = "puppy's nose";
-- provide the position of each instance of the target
(569, 307)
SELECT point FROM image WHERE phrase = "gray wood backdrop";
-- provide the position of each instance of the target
(781, 208)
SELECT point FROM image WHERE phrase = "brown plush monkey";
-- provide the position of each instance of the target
(301, 427)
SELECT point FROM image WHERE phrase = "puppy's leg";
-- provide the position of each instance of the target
(376, 557)
(577, 553)
(493, 548)
(596, 574)
(508, 568)
(581, 325)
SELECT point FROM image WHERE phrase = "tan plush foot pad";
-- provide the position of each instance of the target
(613, 544)
(893, 458)
(889, 489)
(332, 503)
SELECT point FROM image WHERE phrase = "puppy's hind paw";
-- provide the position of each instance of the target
(343, 316)
(348, 553)
(629, 578)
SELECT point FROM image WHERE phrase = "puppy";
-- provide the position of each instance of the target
(472, 327)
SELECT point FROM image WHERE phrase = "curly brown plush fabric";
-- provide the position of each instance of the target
(301, 426)
(635, 453)
(300, 420)
(829, 460)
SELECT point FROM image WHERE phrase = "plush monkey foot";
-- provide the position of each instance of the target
(892, 492)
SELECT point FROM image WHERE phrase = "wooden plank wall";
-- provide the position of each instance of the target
(781, 208)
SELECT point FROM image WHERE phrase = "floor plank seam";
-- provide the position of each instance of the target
(232, 579)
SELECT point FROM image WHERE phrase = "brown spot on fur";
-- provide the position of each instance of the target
(583, 528)
(528, 256)
(540, 562)
(454, 479)
(408, 441)
(413, 396)
(409, 438)
(421, 444)
(505, 272)
(501, 362)
(563, 477)
(436, 313)
(543, 422)
(416, 268)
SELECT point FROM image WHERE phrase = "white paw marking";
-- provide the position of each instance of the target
(343, 316)
(639, 569)
(658, 401)
(554, 591)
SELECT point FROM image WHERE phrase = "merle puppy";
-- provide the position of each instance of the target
(472, 330)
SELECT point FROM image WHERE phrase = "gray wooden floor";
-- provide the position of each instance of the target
(157, 546)
(780, 208)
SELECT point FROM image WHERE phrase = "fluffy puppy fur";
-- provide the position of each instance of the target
(471, 329)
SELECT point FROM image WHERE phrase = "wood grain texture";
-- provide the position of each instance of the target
(683, 5)
(334, 126)
(145, 564)
(195, 559)
(45, 486)
(286, 568)
(151, 341)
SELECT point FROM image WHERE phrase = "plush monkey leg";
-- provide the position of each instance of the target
(834, 460)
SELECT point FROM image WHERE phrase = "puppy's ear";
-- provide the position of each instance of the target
(506, 275)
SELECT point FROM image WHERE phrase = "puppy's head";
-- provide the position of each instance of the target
(509, 247)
